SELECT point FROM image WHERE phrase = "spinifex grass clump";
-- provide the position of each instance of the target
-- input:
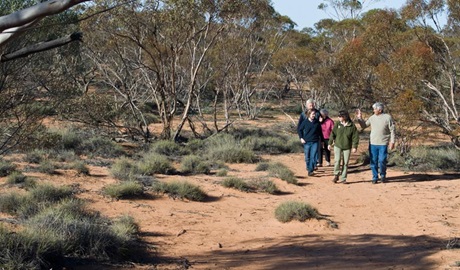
(124, 190)
(292, 210)
(236, 183)
(194, 165)
(56, 227)
(225, 148)
(279, 170)
(180, 190)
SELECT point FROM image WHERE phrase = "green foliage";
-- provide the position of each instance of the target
(236, 183)
(270, 145)
(222, 172)
(180, 190)
(264, 185)
(80, 167)
(428, 158)
(124, 190)
(292, 210)
(101, 147)
(167, 148)
(36, 156)
(16, 178)
(125, 228)
(47, 166)
(124, 169)
(152, 163)
(70, 139)
(194, 165)
(6, 167)
(279, 170)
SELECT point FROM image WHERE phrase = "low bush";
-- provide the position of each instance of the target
(36, 156)
(80, 167)
(101, 147)
(279, 170)
(236, 183)
(292, 210)
(47, 166)
(167, 148)
(6, 167)
(180, 190)
(124, 190)
(152, 163)
(222, 172)
(16, 178)
(264, 185)
(124, 169)
(194, 165)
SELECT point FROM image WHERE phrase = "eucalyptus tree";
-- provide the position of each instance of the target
(153, 52)
(252, 37)
(440, 91)
(31, 87)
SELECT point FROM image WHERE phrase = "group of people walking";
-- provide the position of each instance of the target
(319, 135)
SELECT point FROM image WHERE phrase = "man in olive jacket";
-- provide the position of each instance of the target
(345, 139)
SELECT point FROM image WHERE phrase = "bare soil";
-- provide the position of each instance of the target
(403, 224)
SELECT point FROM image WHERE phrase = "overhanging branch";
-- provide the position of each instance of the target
(40, 47)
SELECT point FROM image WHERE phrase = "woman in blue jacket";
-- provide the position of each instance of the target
(310, 133)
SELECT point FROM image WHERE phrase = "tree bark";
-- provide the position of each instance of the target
(40, 47)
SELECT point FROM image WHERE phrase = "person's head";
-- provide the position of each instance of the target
(378, 108)
(310, 104)
(344, 116)
(324, 113)
(311, 113)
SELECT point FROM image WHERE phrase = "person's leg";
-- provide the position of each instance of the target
(346, 159)
(313, 156)
(337, 159)
(306, 151)
(383, 155)
(327, 153)
(374, 155)
(320, 153)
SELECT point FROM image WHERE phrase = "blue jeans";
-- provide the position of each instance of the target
(378, 155)
(310, 150)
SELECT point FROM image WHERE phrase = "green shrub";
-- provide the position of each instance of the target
(65, 156)
(269, 145)
(153, 163)
(36, 156)
(232, 154)
(80, 167)
(236, 183)
(16, 178)
(11, 203)
(71, 139)
(195, 146)
(222, 172)
(292, 210)
(101, 147)
(279, 170)
(124, 190)
(265, 185)
(6, 167)
(125, 228)
(180, 190)
(167, 148)
(124, 169)
(428, 158)
(194, 165)
(47, 167)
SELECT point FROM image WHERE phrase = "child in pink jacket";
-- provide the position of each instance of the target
(326, 127)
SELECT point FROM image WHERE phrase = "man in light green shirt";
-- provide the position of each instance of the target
(382, 137)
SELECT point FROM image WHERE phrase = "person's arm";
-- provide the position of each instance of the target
(300, 124)
(364, 124)
(332, 137)
(355, 139)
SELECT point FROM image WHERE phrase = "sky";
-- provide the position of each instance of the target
(305, 13)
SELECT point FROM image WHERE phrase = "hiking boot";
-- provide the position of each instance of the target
(374, 181)
(336, 178)
(328, 164)
(311, 173)
(384, 180)
(343, 181)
